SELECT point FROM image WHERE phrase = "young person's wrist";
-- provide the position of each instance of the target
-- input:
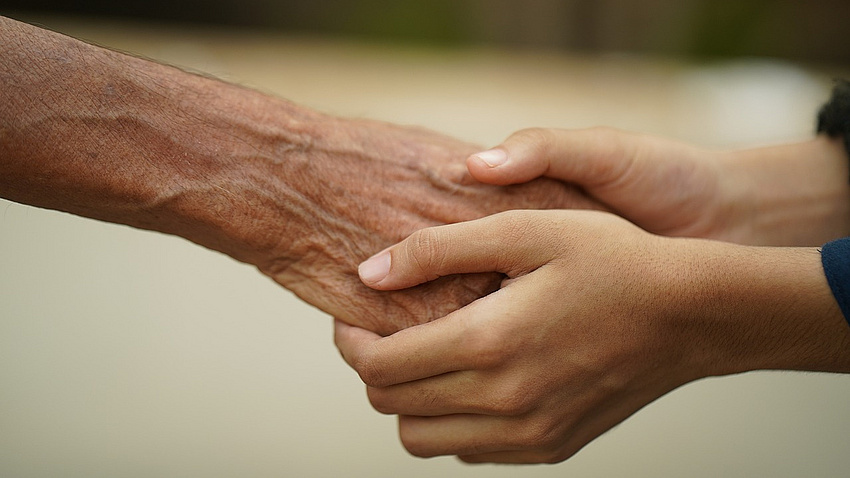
(761, 308)
(787, 195)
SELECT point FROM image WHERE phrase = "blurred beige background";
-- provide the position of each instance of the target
(133, 354)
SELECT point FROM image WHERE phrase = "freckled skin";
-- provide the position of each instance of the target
(301, 195)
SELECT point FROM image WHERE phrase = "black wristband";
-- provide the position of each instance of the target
(834, 116)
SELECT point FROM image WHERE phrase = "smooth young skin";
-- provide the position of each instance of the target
(597, 317)
(787, 195)
(301, 195)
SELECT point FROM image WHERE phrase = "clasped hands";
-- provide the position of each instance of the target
(598, 313)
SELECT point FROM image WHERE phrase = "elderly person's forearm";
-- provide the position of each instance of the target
(303, 196)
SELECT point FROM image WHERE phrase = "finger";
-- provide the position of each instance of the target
(572, 437)
(352, 342)
(587, 157)
(462, 363)
(462, 434)
(446, 394)
(515, 457)
(511, 242)
(445, 345)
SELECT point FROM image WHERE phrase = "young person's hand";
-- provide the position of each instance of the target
(595, 319)
(795, 194)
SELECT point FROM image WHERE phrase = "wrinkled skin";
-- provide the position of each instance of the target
(389, 182)
(303, 196)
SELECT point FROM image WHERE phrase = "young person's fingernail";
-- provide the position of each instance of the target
(493, 157)
(375, 268)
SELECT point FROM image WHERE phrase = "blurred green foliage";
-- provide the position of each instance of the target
(728, 28)
(815, 30)
(436, 21)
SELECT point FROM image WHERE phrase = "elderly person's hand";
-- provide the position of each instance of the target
(595, 319)
(301, 195)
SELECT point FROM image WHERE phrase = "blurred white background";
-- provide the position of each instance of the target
(133, 354)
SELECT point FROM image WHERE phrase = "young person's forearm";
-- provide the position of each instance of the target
(795, 194)
(755, 308)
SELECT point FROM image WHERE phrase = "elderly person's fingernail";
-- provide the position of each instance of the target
(375, 268)
(492, 157)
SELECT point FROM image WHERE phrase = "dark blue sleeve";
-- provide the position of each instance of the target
(835, 256)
